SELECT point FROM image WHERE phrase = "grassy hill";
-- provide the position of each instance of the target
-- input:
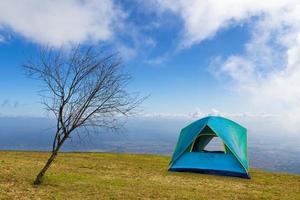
(128, 176)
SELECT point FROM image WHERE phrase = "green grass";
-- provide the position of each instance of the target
(129, 176)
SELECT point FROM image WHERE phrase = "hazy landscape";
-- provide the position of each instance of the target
(148, 136)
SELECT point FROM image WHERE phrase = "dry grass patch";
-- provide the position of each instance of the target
(130, 176)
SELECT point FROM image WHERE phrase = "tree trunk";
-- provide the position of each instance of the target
(39, 178)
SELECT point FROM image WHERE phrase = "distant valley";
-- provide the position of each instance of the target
(142, 136)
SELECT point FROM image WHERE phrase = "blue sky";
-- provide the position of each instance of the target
(239, 59)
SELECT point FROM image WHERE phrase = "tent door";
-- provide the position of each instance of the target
(208, 142)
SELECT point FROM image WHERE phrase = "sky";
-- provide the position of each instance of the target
(238, 59)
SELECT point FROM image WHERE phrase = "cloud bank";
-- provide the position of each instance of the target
(267, 74)
(58, 22)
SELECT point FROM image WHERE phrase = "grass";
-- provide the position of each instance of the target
(130, 176)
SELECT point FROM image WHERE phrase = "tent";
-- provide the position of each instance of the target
(190, 153)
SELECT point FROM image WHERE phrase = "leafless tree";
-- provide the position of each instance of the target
(82, 87)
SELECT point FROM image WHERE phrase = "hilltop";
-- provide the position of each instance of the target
(130, 176)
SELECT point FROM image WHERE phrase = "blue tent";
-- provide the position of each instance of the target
(190, 153)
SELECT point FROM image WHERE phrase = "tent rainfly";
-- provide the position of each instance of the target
(190, 154)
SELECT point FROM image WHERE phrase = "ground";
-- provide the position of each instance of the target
(130, 176)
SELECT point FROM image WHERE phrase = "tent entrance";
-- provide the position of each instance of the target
(208, 142)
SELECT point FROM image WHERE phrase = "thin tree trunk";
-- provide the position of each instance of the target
(39, 177)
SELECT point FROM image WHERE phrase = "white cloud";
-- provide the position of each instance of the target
(266, 76)
(57, 22)
(126, 53)
(256, 123)
(204, 18)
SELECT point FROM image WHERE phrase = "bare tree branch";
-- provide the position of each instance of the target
(83, 87)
